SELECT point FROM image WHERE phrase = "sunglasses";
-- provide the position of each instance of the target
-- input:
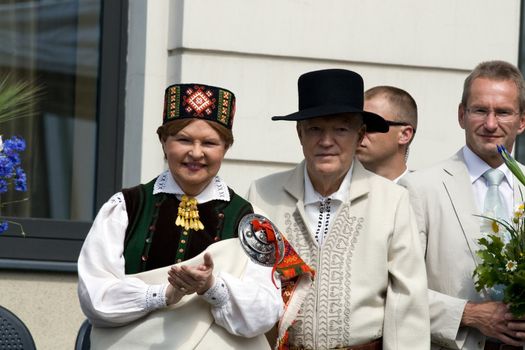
(393, 123)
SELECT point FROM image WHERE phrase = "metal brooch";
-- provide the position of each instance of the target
(256, 244)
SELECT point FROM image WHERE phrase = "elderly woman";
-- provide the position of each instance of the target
(161, 266)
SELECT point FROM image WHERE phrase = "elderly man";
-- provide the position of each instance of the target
(386, 154)
(446, 198)
(356, 229)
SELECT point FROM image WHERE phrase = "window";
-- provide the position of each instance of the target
(73, 50)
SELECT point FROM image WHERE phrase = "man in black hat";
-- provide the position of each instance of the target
(355, 228)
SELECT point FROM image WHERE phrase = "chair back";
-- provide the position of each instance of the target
(83, 341)
(13, 332)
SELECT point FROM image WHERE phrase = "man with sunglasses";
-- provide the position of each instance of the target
(448, 199)
(386, 154)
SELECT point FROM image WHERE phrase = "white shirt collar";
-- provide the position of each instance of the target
(216, 189)
(477, 167)
(311, 196)
(396, 180)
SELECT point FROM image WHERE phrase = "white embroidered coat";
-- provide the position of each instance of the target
(370, 275)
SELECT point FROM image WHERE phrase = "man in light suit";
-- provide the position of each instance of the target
(355, 228)
(386, 154)
(446, 198)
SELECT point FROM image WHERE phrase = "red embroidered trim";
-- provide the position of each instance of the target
(289, 269)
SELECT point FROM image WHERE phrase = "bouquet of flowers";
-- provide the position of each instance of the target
(503, 259)
(17, 100)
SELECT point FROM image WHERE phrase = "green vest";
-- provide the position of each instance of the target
(145, 225)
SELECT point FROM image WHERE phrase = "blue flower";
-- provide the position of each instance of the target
(20, 180)
(14, 144)
(3, 226)
(6, 166)
(11, 172)
(3, 185)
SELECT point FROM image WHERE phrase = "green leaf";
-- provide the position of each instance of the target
(17, 99)
(511, 163)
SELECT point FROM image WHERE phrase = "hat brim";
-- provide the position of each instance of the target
(373, 122)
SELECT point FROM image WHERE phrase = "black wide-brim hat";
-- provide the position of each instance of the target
(330, 92)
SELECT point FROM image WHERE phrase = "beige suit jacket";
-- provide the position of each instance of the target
(370, 277)
(443, 200)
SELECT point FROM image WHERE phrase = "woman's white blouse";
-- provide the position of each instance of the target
(247, 306)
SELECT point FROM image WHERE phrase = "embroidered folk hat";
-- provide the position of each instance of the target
(330, 92)
(199, 101)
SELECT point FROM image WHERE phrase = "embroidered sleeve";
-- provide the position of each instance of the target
(156, 297)
(218, 294)
(117, 199)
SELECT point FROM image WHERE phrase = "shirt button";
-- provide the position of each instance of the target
(221, 215)
(181, 250)
(144, 258)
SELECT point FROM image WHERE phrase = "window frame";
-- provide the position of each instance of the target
(54, 245)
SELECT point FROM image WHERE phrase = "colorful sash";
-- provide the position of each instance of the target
(296, 278)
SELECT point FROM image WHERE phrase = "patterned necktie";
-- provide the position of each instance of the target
(495, 207)
(494, 202)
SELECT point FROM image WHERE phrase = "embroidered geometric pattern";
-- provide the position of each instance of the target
(227, 108)
(199, 101)
(302, 331)
(174, 101)
(322, 322)
(291, 268)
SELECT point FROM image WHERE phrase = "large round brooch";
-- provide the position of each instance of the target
(261, 240)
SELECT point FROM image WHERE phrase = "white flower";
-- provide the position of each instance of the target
(519, 210)
(511, 265)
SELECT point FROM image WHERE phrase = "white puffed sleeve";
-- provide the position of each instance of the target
(107, 296)
(253, 303)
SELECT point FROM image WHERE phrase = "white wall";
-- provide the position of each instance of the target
(259, 48)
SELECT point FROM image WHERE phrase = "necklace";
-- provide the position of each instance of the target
(188, 214)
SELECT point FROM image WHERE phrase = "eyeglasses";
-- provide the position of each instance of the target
(483, 113)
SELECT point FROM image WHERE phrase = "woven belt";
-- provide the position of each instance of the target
(492, 345)
(373, 345)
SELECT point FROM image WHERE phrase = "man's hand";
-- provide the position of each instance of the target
(494, 320)
(192, 279)
(517, 325)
